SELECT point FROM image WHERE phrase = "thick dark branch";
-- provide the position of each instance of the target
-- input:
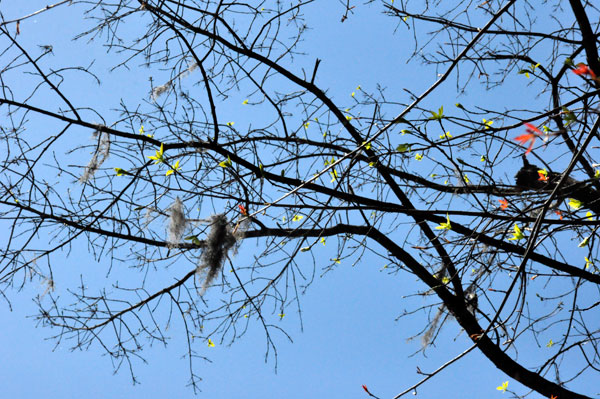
(472, 327)
(465, 231)
(99, 128)
(587, 35)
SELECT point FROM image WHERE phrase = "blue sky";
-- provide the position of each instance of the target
(350, 334)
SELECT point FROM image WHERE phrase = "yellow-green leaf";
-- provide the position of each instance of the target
(226, 163)
(297, 218)
(575, 204)
(524, 72)
(503, 387)
(122, 172)
(334, 175)
(210, 343)
(517, 234)
(174, 168)
(159, 157)
(445, 225)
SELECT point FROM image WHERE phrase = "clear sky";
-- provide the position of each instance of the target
(350, 334)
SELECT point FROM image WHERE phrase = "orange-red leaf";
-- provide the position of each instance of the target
(530, 136)
(503, 203)
(583, 69)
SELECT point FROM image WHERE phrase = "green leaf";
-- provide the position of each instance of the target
(436, 116)
(193, 239)
(403, 148)
(568, 116)
(401, 120)
(584, 243)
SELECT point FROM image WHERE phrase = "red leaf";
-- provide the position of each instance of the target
(366, 389)
(242, 210)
